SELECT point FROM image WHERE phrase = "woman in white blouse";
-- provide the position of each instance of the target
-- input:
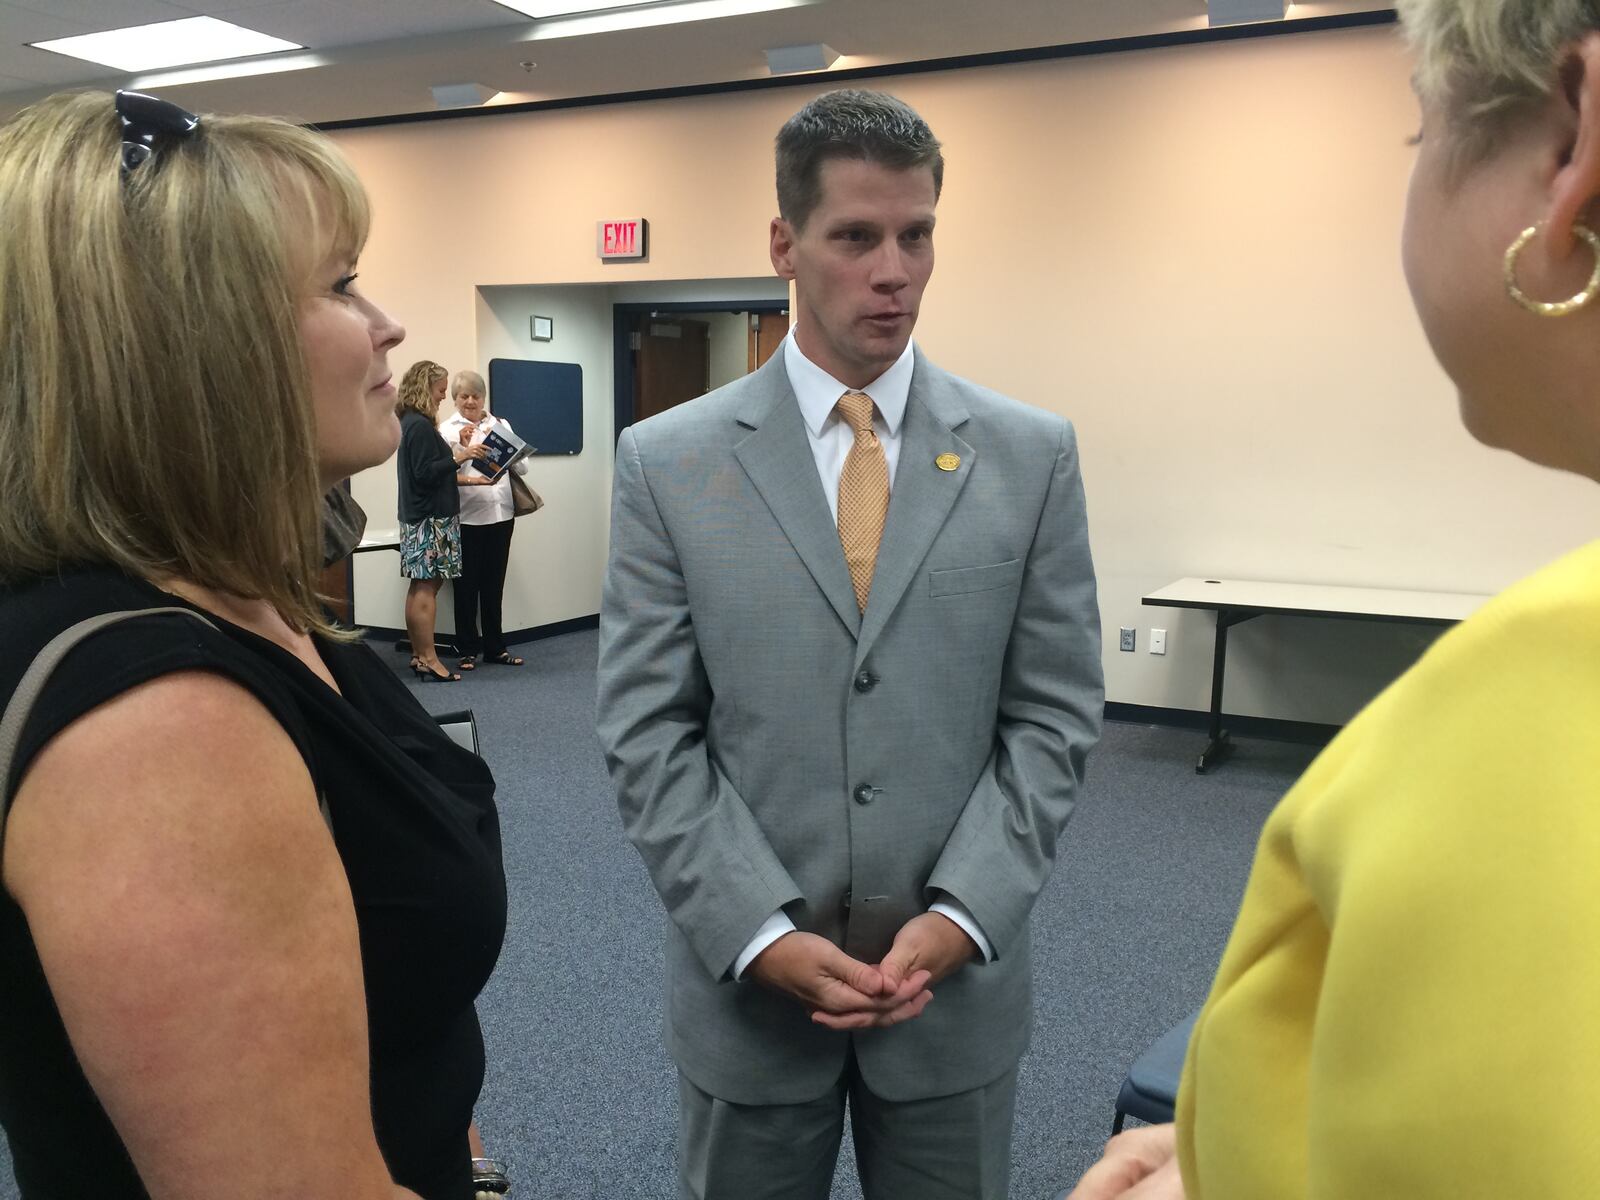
(486, 526)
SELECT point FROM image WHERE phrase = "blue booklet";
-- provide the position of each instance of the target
(502, 448)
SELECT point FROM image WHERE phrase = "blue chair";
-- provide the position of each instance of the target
(1150, 1092)
(461, 728)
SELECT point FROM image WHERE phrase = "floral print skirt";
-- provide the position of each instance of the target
(431, 548)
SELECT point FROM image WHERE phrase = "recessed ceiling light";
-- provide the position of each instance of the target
(539, 9)
(793, 60)
(167, 44)
(1245, 12)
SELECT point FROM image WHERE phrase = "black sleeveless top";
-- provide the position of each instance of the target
(414, 821)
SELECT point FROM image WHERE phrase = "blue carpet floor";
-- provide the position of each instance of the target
(580, 1095)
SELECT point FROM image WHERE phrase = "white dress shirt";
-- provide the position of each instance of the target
(831, 438)
(481, 504)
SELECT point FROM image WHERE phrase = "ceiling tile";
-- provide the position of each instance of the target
(91, 16)
(20, 25)
(41, 68)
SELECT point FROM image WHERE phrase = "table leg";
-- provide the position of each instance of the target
(1220, 745)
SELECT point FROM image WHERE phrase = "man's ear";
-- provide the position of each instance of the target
(782, 248)
(1576, 185)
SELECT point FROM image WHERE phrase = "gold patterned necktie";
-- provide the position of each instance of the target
(863, 494)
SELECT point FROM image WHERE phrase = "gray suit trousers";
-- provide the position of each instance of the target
(947, 1148)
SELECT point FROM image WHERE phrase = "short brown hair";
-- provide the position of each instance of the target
(155, 406)
(416, 388)
(871, 126)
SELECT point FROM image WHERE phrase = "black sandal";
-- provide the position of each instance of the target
(504, 659)
(430, 676)
(469, 662)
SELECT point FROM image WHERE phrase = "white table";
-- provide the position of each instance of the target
(368, 543)
(1238, 600)
(377, 541)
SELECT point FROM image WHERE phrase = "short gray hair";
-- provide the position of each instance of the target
(1485, 61)
(467, 381)
(871, 126)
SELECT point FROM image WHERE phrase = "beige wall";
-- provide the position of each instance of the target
(1192, 253)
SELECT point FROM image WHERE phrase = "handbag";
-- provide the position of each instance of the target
(524, 499)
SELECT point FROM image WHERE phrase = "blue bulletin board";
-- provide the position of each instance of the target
(542, 400)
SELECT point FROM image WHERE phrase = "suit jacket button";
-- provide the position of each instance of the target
(866, 681)
(847, 898)
(863, 793)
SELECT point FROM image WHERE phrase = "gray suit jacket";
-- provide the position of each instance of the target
(772, 747)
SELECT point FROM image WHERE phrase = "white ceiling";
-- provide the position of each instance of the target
(379, 57)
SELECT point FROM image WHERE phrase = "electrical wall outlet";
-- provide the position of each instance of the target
(1158, 641)
(1127, 639)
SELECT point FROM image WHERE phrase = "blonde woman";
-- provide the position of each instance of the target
(487, 522)
(1409, 1005)
(430, 521)
(250, 891)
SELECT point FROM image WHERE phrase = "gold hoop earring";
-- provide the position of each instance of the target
(1556, 308)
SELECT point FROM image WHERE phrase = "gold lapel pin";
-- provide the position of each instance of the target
(947, 462)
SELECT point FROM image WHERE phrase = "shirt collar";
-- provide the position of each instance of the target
(818, 392)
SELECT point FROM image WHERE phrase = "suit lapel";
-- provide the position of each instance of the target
(923, 494)
(778, 459)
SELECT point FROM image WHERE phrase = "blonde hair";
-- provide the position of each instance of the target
(1486, 61)
(469, 382)
(155, 407)
(416, 388)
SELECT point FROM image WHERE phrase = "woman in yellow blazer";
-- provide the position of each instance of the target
(1409, 1004)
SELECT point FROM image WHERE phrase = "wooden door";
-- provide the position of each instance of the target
(767, 331)
(672, 363)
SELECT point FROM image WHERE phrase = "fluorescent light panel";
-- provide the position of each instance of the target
(542, 10)
(167, 44)
(242, 68)
(680, 13)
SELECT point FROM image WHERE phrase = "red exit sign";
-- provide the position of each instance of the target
(623, 239)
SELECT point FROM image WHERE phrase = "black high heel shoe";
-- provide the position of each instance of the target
(426, 674)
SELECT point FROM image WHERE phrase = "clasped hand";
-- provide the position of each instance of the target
(844, 993)
(1141, 1164)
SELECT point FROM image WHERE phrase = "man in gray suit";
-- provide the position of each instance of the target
(849, 674)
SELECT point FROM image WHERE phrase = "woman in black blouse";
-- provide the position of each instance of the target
(250, 892)
(430, 510)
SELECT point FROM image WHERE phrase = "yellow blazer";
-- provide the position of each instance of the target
(1409, 1004)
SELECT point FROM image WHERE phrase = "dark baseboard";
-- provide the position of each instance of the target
(555, 629)
(1303, 733)
(514, 637)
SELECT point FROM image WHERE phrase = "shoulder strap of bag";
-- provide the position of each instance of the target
(38, 674)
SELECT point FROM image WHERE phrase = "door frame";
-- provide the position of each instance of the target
(623, 317)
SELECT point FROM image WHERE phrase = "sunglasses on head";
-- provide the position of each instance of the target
(146, 120)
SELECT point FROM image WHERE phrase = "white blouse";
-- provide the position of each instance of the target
(481, 505)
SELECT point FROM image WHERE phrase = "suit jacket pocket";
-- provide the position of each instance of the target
(963, 580)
